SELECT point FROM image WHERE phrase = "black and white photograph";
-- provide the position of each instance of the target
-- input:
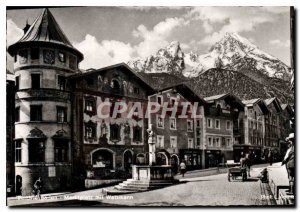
(150, 106)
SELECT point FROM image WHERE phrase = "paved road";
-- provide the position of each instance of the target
(203, 191)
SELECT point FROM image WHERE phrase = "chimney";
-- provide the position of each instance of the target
(25, 29)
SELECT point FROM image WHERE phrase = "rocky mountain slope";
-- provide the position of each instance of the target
(233, 65)
(232, 52)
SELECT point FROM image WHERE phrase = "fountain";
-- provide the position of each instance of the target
(146, 177)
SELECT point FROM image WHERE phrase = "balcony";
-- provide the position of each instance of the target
(43, 93)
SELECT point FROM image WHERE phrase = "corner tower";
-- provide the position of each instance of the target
(43, 59)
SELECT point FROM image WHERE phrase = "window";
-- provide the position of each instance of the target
(228, 125)
(61, 114)
(35, 81)
(36, 113)
(159, 121)
(15, 58)
(115, 86)
(217, 142)
(209, 123)
(210, 141)
(190, 143)
(90, 105)
(17, 83)
(160, 141)
(17, 114)
(228, 141)
(114, 132)
(62, 57)
(173, 141)
(137, 134)
(198, 121)
(136, 90)
(35, 54)
(190, 125)
(160, 100)
(173, 123)
(72, 62)
(172, 101)
(61, 81)
(198, 141)
(18, 153)
(90, 130)
(217, 124)
(36, 150)
(61, 151)
(23, 56)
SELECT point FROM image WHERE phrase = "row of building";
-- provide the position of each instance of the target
(64, 123)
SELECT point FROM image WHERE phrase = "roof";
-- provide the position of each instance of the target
(275, 101)
(250, 102)
(259, 102)
(124, 66)
(44, 30)
(216, 97)
(229, 98)
(186, 92)
(288, 108)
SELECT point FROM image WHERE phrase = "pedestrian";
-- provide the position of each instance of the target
(270, 157)
(245, 162)
(37, 188)
(182, 168)
(289, 162)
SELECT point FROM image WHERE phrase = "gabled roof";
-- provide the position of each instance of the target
(229, 99)
(275, 101)
(250, 102)
(122, 66)
(44, 30)
(259, 102)
(216, 97)
(186, 92)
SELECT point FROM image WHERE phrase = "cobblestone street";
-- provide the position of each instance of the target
(204, 191)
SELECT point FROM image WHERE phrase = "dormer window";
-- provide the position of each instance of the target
(49, 56)
(23, 56)
(72, 62)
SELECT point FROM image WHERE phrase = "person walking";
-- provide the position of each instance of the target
(182, 168)
(289, 161)
(270, 157)
(37, 188)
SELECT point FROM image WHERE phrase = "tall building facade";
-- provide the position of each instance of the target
(43, 58)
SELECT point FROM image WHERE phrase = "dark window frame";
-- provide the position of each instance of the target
(35, 81)
(18, 151)
(137, 134)
(90, 130)
(36, 113)
(61, 82)
(17, 83)
(61, 114)
(61, 150)
(36, 150)
(114, 132)
(35, 53)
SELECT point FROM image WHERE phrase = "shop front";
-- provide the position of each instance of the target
(255, 153)
(192, 158)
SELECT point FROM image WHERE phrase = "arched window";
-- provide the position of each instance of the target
(103, 158)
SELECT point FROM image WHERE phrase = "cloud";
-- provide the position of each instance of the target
(13, 32)
(280, 43)
(105, 53)
(157, 37)
(232, 19)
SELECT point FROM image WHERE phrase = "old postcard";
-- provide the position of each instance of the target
(150, 106)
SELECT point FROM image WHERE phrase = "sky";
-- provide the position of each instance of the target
(109, 35)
